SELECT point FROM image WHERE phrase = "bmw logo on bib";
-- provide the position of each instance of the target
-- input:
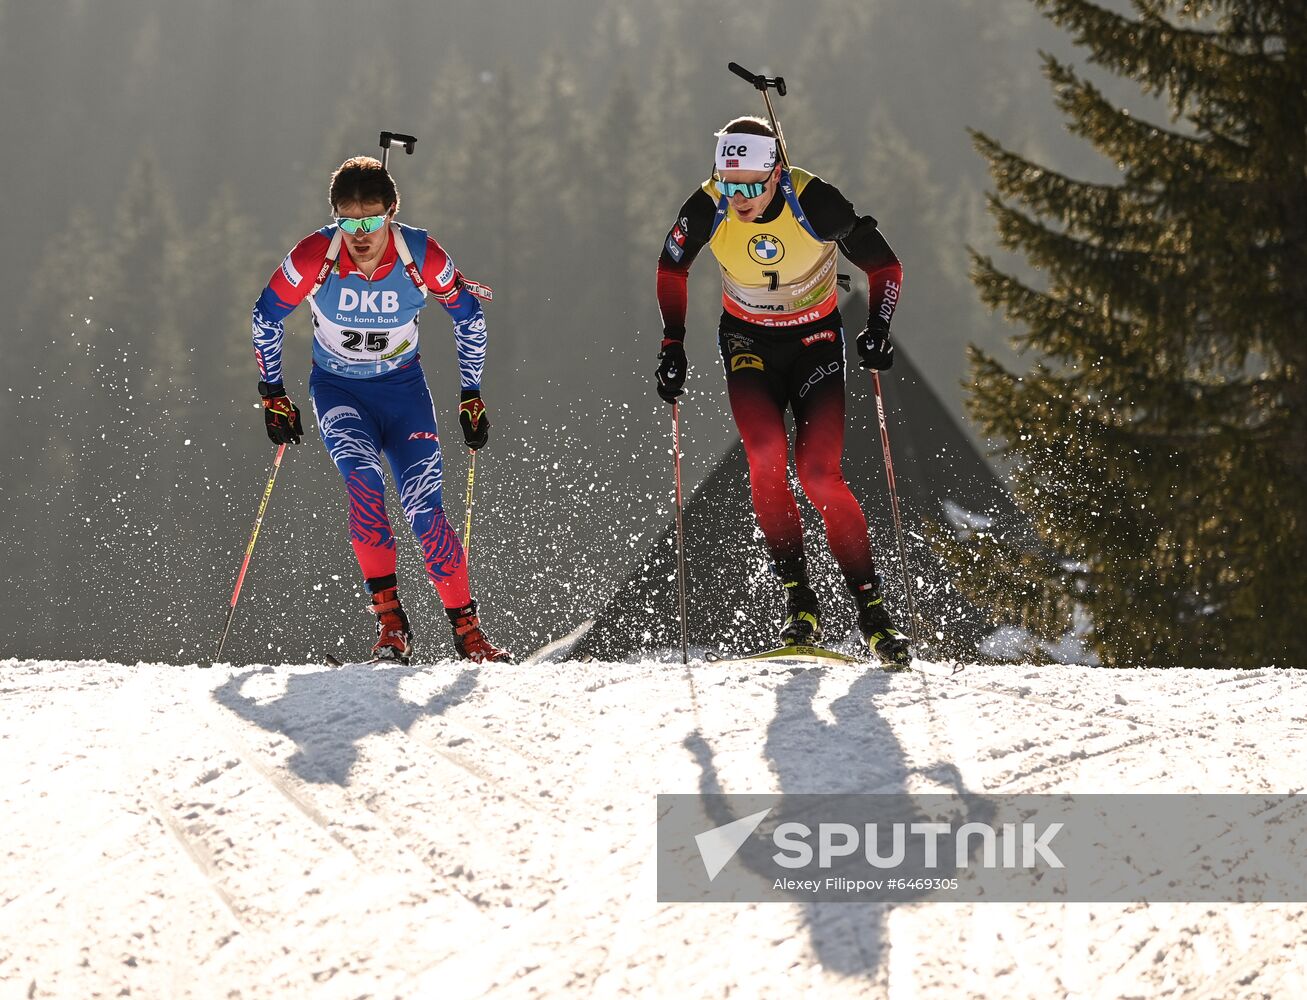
(766, 249)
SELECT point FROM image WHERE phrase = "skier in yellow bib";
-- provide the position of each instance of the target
(776, 234)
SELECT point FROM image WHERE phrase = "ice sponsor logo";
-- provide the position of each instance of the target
(288, 269)
(382, 301)
(335, 415)
(758, 153)
(814, 338)
(889, 302)
(766, 249)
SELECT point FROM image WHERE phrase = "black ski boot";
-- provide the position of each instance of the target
(470, 642)
(394, 639)
(883, 639)
(802, 623)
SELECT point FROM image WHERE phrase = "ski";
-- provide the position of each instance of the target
(792, 654)
(821, 655)
(376, 661)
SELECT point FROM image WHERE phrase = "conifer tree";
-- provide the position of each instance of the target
(1160, 438)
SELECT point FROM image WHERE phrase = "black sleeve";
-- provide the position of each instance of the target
(834, 218)
(689, 234)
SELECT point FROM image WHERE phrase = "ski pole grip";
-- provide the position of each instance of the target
(744, 74)
(409, 141)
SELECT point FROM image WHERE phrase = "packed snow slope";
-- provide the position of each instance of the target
(450, 831)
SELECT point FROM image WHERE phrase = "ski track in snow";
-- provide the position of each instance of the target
(445, 830)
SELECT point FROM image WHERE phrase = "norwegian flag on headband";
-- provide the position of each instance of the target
(745, 151)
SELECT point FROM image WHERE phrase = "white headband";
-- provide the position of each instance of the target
(744, 151)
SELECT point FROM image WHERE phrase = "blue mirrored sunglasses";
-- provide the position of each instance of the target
(367, 225)
(753, 189)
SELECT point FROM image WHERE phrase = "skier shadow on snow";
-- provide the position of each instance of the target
(327, 713)
(856, 753)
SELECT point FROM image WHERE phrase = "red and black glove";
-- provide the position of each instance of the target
(874, 349)
(672, 367)
(472, 418)
(280, 416)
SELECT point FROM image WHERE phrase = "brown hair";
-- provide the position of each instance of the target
(362, 179)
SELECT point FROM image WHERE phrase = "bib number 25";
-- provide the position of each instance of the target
(374, 341)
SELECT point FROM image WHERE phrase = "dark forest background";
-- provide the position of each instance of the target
(161, 158)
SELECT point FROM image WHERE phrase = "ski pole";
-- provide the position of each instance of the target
(467, 502)
(894, 502)
(249, 551)
(680, 527)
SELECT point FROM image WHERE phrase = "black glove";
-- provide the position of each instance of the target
(874, 349)
(472, 417)
(280, 415)
(671, 370)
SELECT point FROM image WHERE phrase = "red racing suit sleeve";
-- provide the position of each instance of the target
(834, 218)
(290, 283)
(688, 235)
